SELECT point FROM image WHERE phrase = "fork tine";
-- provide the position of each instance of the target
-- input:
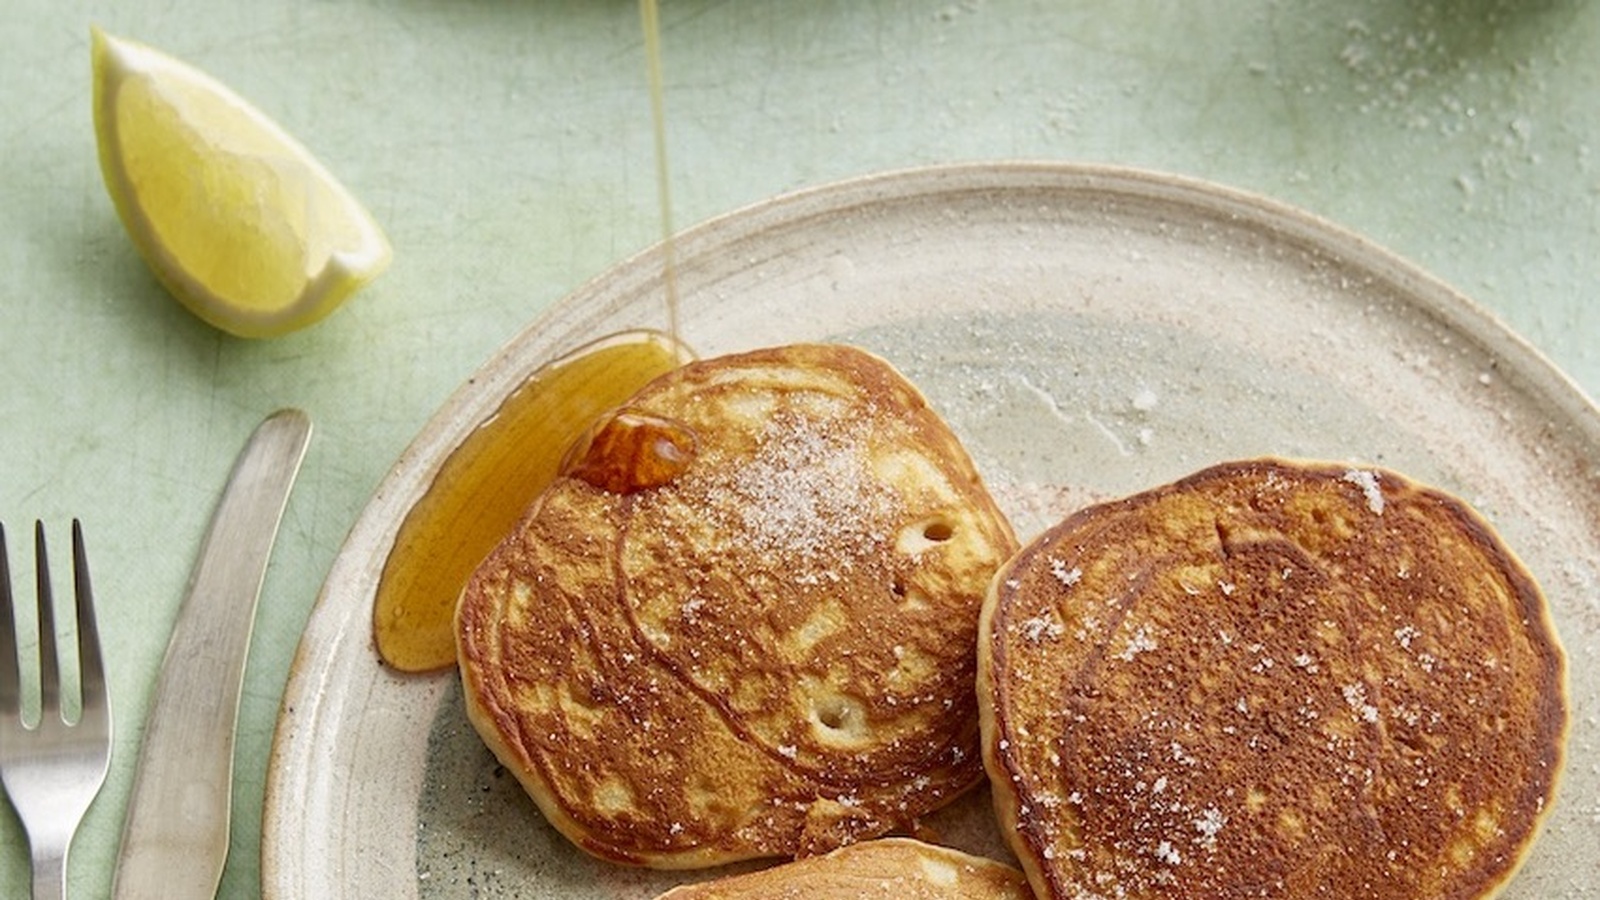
(49, 667)
(53, 769)
(92, 677)
(10, 666)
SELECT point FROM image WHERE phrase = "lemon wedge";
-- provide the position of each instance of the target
(237, 219)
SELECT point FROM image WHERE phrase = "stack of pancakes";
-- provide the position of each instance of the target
(748, 622)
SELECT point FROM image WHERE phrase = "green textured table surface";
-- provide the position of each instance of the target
(505, 145)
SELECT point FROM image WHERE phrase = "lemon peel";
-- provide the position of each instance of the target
(238, 220)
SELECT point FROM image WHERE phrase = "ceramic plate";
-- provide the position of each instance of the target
(1089, 332)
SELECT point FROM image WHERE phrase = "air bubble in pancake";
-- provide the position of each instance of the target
(613, 796)
(838, 719)
(924, 535)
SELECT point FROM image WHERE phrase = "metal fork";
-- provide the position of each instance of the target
(52, 769)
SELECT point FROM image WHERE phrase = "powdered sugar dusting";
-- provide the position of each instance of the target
(1367, 481)
(1209, 825)
(805, 494)
(1068, 577)
(1041, 627)
(1168, 853)
(1356, 696)
(1140, 642)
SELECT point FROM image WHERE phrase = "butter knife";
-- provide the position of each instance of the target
(175, 836)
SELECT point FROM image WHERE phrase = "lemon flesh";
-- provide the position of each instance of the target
(237, 219)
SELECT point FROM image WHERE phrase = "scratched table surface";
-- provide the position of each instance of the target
(506, 147)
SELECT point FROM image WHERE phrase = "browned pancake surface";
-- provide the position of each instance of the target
(884, 869)
(772, 652)
(1271, 679)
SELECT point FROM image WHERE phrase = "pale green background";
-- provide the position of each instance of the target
(505, 146)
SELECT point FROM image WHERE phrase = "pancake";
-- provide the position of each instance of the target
(1271, 679)
(887, 868)
(743, 624)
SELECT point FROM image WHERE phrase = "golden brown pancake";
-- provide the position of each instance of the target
(744, 623)
(1271, 679)
(883, 869)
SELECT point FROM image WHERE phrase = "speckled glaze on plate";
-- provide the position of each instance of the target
(1089, 332)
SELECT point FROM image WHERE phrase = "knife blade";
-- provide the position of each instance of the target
(175, 835)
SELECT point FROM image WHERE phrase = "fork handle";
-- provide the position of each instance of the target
(49, 871)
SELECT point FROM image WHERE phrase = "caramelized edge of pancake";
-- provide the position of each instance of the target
(1529, 600)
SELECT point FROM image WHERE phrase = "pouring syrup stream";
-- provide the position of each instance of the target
(483, 486)
(650, 15)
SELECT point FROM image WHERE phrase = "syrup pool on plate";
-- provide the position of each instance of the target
(485, 485)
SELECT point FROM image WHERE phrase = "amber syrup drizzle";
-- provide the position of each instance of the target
(484, 486)
(651, 17)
